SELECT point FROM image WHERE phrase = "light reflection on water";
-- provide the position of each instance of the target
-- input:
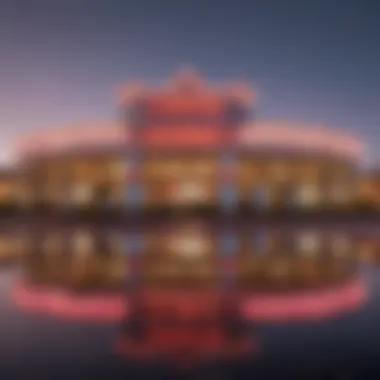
(50, 348)
(38, 346)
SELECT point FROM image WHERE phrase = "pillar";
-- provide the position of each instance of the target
(134, 249)
(228, 246)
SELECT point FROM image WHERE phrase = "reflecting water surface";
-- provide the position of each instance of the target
(254, 263)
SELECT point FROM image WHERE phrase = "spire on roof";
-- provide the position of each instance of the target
(187, 79)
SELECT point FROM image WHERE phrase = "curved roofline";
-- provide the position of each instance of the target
(272, 134)
(323, 127)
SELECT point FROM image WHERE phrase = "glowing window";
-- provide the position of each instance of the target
(189, 192)
(82, 193)
(308, 195)
(309, 244)
(189, 245)
(82, 243)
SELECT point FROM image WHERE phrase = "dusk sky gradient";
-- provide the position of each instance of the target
(310, 60)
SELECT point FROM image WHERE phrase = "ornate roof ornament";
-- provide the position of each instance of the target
(187, 81)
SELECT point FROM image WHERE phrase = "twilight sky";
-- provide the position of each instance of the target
(310, 60)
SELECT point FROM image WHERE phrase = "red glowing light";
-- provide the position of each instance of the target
(255, 307)
(308, 305)
(102, 308)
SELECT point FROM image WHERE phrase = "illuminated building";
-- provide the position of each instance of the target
(285, 260)
(81, 272)
(190, 144)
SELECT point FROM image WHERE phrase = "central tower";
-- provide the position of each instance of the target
(183, 136)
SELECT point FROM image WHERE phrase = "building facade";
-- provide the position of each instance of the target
(190, 144)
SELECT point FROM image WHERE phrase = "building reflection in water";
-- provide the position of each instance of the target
(191, 290)
(14, 244)
(252, 262)
(76, 273)
(369, 247)
(77, 259)
(185, 328)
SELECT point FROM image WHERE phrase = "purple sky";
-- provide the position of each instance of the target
(311, 60)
